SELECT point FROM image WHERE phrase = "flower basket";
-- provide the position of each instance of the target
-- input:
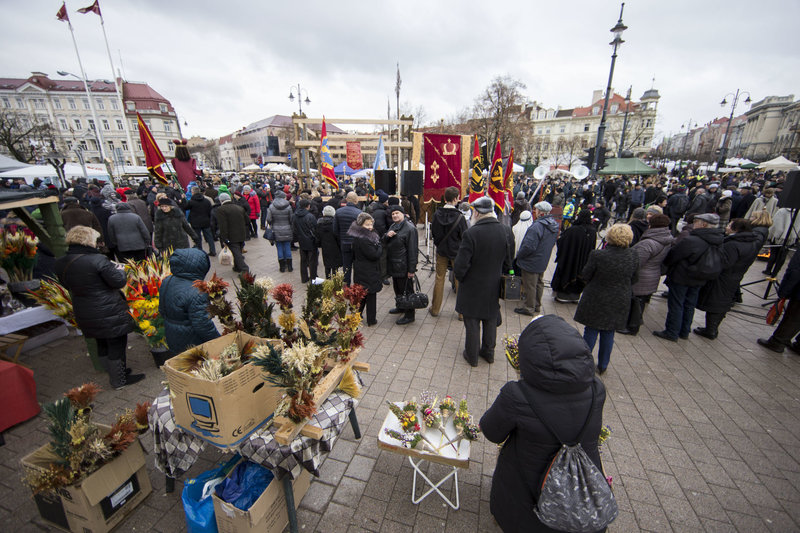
(18, 252)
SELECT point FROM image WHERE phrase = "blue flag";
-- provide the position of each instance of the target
(380, 157)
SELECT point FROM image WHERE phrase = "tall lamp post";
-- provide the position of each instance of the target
(624, 123)
(98, 135)
(601, 130)
(688, 127)
(723, 153)
(303, 161)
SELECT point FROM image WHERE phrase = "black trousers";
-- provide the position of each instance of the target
(371, 304)
(238, 257)
(347, 263)
(113, 348)
(308, 264)
(474, 345)
(401, 286)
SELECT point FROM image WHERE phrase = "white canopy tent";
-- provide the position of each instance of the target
(779, 163)
(252, 167)
(47, 173)
(8, 163)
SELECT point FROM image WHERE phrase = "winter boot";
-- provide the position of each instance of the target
(116, 374)
(282, 262)
(289, 265)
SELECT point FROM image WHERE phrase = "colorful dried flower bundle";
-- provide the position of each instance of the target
(198, 362)
(18, 247)
(142, 294)
(53, 296)
(447, 407)
(79, 445)
(218, 305)
(510, 342)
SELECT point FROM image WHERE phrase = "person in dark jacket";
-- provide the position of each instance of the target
(677, 204)
(652, 248)
(638, 224)
(74, 215)
(101, 213)
(183, 307)
(233, 225)
(367, 251)
(739, 251)
(742, 204)
(378, 211)
(279, 218)
(199, 207)
(699, 203)
(305, 231)
(636, 198)
(401, 243)
(127, 234)
(789, 326)
(99, 306)
(265, 198)
(533, 257)
(684, 287)
(345, 216)
(572, 252)
(557, 370)
(606, 300)
(520, 205)
(139, 207)
(447, 228)
(172, 230)
(485, 253)
(328, 241)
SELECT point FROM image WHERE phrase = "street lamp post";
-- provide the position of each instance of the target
(624, 123)
(303, 159)
(98, 135)
(688, 126)
(723, 153)
(601, 130)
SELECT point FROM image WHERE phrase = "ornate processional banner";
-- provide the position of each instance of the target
(442, 164)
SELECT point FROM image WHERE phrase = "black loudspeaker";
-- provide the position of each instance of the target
(386, 180)
(412, 182)
(790, 195)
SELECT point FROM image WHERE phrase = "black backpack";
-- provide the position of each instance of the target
(709, 265)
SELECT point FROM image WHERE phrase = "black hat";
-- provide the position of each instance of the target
(394, 208)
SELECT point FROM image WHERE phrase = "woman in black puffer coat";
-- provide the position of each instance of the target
(101, 311)
(367, 251)
(184, 308)
(558, 371)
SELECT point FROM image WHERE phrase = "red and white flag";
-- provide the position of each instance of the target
(94, 8)
(62, 13)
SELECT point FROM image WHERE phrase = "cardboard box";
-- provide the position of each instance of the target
(100, 501)
(227, 411)
(267, 515)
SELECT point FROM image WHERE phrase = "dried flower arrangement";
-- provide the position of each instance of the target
(53, 296)
(510, 342)
(142, 294)
(213, 367)
(80, 446)
(18, 247)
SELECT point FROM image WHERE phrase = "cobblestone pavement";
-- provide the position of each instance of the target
(705, 433)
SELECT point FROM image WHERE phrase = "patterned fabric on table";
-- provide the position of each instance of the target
(176, 451)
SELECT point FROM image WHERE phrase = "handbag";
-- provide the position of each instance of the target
(226, 256)
(775, 312)
(635, 314)
(269, 235)
(413, 300)
(511, 287)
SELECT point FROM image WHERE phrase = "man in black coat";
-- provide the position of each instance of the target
(789, 326)
(305, 231)
(447, 227)
(683, 281)
(486, 251)
(234, 225)
(402, 248)
(341, 223)
(199, 207)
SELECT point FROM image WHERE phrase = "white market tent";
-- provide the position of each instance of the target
(737, 162)
(47, 173)
(8, 163)
(251, 167)
(779, 163)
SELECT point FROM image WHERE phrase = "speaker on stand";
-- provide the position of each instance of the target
(412, 182)
(386, 180)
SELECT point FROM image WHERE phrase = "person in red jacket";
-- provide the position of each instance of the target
(184, 164)
(255, 208)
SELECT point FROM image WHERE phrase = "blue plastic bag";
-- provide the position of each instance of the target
(199, 510)
(245, 484)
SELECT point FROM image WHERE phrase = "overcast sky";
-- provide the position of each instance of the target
(224, 64)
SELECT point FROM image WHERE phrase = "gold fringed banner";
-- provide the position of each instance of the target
(416, 150)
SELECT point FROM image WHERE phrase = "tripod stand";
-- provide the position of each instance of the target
(782, 252)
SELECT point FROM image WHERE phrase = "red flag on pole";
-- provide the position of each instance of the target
(62, 13)
(476, 177)
(94, 8)
(326, 161)
(496, 187)
(509, 179)
(153, 158)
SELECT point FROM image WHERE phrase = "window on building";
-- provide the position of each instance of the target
(120, 125)
(71, 103)
(139, 145)
(562, 129)
(135, 125)
(545, 145)
(56, 103)
(170, 146)
(69, 145)
(147, 123)
(90, 122)
(20, 103)
(110, 145)
(648, 123)
(84, 146)
(6, 102)
(614, 108)
(106, 125)
(124, 145)
(86, 103)
(100, 104)
(62, 122)
(586, 127)
(114, 104)
(131, 106)
(77, 122)
(167, 126)
(163, 108)
(595, 110)
(547, 131)
(93, 144)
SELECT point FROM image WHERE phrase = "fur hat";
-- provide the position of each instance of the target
(224, 197)
(328, 211)
(83, 235)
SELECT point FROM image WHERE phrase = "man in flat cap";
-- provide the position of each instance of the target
(533, 257)
(485, 253)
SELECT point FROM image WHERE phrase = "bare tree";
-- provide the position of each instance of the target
(210, 153)
(417, 112)
(499, 112)
(25, 137)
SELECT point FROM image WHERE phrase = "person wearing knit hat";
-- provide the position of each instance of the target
(254, 213)
(233, 223)
(534, 256)
(328, 241)
(402, 246)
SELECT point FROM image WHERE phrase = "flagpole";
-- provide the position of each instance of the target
(97, 132)
(118, 89)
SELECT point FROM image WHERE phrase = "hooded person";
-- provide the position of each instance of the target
(520, 228)
(127, 234)
(534, 256)
(572, 251)
(183, 307)
(172, 230)
(329, 241)
(280, 218)
(557, 371)
(184, 164)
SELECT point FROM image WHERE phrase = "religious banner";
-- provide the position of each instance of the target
(354, 159)
(442, 164)
(496, 185)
